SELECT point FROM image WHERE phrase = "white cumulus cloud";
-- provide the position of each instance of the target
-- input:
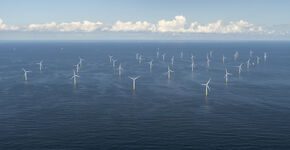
(178, 24)
(4, 27)
(218, 27)
(175, 25)
(129, 26)
(85, 26)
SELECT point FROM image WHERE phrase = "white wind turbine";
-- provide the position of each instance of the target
(157, 53)
(210, 54)
(258, 59)
(240, 68)
(192, 66)
(172, 60)
(120, 69)
(134, 81)
(265, 56)
(251, 53)
(163, 56)
(40, 65)
(140, 59)
(150, 65)
(181, 54)
(111, 58)
(25, 74)
(114, 62)
(236, 55)
(137, 56)
(81, 61)
(248, 63)
(224, 59)
(168, 72)
(192, 58)
(226, 75)
(206, 86)
(75, 76)
(208, 61)
(192, 63)
(77, 67)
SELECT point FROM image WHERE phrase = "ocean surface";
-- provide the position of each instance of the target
(252, 111)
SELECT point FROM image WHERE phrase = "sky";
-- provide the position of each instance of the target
(145, 20)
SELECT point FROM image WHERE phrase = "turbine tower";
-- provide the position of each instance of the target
(240, 68)
(226, 75)
(75, 76)
(150, 65)
(265, 56)
(163, 56)
(25, 74)
(168, 72)
(110, 57)
(81, 62)
(224, 59)
(40, 65)
(120, 70)
(134, 81)
(157, 53)
(206, 87)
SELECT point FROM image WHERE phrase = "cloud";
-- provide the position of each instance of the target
(4, 27)
(85, 26)
(129, 26)
(218, 27)
(178, 24)
(42, 27)
(175, 25)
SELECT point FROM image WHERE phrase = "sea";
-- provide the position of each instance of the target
(47, 112)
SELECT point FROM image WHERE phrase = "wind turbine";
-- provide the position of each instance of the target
(206, 86)
(248, 63)
(81, 62)
(40, 65)
(114, 62)
(192, 58)
(77, 67)
(210, 54)
(140, 59)
(75, 76)
(25, 73)
(265, 56)
(192, 66)
(236, 55)
(240, 68)
(150, 64)
(207, 60)
(251, 53)
(224, 59)
(168, 72)
(226, 75)
(120, 69)
(157, 53)
(134, 80)
(111, 58)
(258, 59)
(163, 56)
(137, 56)
(172, 60)
(181, 54)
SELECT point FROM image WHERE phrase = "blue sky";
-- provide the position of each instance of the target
(159, 19)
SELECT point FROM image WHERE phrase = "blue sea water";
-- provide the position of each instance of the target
(252, 111)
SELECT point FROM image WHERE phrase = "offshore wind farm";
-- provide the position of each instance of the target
(86, 101)
(156, 75)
